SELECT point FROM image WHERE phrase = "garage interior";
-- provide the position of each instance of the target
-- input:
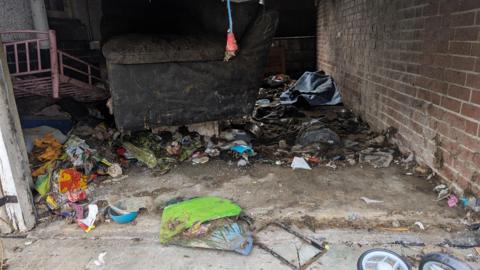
(160, 103)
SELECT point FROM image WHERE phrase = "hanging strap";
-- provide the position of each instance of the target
(230, 21)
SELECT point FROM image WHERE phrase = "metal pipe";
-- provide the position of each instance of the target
(27, 49)
(39, 59)
(54, 63)
(15, 53)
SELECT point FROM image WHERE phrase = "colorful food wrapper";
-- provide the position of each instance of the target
(76, 195)
(71, 180)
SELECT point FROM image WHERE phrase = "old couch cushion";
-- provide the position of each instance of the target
(145, 49)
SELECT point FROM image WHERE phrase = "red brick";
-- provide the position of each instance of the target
(471, 127)
(429, 96)
(437, 73)
(423, 81)
(459, 92)
(416, 127)
(431, 8)
(467, 4)
(476, 159)
(441, 60)
(463, 48)
(473, 80)
(462, 181)
(471, 111)
(436, 112)
(475, 49)
(454, 121)
(476, 97)
(443, 128)
(465, 153)
(471, 142)
(451, 104)
(454, 76)
(435, 45)
(447, 7)
(467, 34)
(447, 157)
(414, 68)
(463, 63)
(464, 169)
(464, 19)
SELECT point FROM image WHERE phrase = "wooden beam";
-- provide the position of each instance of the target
(15, 176)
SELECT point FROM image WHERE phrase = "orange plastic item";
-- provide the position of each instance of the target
(231, 48)
(51, 148)
(231, 43)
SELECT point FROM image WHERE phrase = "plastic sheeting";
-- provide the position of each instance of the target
(315, 88)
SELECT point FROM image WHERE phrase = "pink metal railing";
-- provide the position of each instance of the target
(58, 60)
(62, 56)
(43, 39)
(27, 44)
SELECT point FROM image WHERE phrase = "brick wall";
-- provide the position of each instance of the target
(413, 65)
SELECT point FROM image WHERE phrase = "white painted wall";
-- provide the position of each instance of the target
(15, 15)
(15, 177)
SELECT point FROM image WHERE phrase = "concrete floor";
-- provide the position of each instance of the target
(318, 203)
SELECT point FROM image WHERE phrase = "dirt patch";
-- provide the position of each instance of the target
(404, 225)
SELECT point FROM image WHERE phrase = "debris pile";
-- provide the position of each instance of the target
(299, 133)
(63, 176)
(67, 165)
(305, 134)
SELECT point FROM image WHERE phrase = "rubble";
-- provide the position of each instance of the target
(419, 225)
(370, 201)
(277, 134)
(376, 158)
(452, 201)
(300, 163)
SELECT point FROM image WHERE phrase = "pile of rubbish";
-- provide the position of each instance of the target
(63, 170)
(288, 127)
(66, 170)
(297, 132)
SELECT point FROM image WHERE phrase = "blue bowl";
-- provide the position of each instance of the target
(122, 219)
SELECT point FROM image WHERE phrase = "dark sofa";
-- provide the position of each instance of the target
(165, 60)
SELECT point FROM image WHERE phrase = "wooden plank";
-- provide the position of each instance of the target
(15, 177)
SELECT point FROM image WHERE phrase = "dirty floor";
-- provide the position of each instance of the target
(322, 203)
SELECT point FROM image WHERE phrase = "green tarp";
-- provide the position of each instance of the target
(178, 217)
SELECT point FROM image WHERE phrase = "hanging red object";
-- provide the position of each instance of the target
(232, 47)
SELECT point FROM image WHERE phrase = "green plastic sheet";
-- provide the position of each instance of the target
(42, 185)
(179, 217)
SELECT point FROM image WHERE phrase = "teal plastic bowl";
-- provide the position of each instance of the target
(122, 219)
